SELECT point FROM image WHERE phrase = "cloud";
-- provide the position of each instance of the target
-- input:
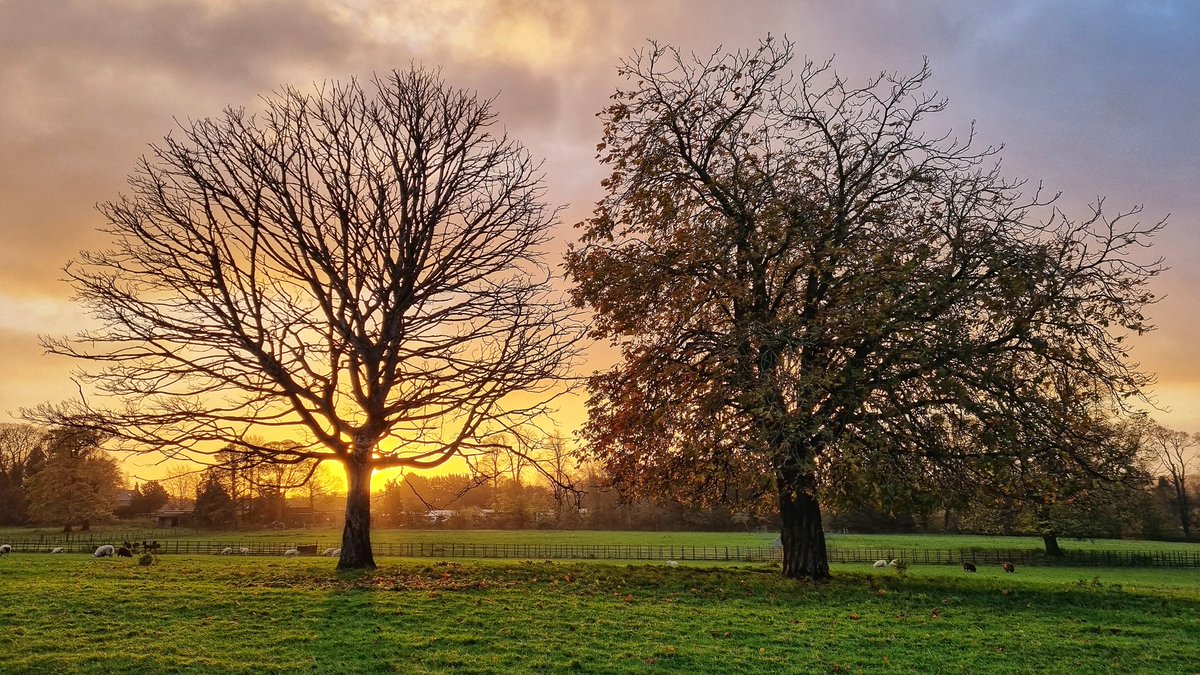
(1094, 97)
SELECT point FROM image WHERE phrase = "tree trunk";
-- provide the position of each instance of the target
(1051, 542)
(802, 537)
(1185, 514)
(356, 534)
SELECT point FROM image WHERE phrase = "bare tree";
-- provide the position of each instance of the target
(1175, 456)
(804, 281)
(182, 481)
(17, 443)
(361, 263)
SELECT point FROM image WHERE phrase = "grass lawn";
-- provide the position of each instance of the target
(213, 614)
(332, 536)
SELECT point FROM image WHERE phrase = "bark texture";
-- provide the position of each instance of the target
(802, 537)
(356, 534)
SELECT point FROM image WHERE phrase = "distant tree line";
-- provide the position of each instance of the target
(61, 478)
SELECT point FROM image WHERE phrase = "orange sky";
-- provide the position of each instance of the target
(1091, 98)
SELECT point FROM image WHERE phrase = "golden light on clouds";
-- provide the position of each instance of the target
(87, 85)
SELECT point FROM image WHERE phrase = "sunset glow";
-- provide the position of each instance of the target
(1098, 100)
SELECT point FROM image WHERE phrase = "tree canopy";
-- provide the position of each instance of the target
(806, 281)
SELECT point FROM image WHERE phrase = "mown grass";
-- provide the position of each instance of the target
(194, 614)
(331, 536)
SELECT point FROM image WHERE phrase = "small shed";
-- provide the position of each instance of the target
(173, 518)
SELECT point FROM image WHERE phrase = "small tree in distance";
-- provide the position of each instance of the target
(361, 264)
(804, 283)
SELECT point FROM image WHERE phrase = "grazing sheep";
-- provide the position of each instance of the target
(105, 551)
(672, 563)
(336, 552)
(880, 564)
(291, 553)
(58, 550)
(892, 563)
(1008, 567)
(328, 551)
(968, 567)
(5, 549)
(227, 551)
(244, 551)
(124, 552)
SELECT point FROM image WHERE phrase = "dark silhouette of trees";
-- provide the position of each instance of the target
(214, 505)
(1175, 456)
(804, 283)
(361, 263)
(147, 498)
(21, 454)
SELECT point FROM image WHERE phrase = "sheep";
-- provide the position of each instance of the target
(124, 552)
(336, 552)
(227, 551)
(5, 549)
(58, 550)
(291, 553)
(968, 567)
(893, 563)
(105, 551)
(880, 564)
(328, 551)
(244, 551)
(1008, 567)
(672, 563)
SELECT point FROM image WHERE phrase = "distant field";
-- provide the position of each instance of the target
(252, 615)
(331, 537)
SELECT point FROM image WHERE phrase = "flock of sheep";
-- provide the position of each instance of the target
(967, 567)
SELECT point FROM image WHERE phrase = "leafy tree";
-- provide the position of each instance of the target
(214, 505)
(77, 484)
(149, 497)
(361, 263)
(804, 284)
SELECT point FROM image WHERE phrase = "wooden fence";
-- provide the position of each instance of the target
(864, 555)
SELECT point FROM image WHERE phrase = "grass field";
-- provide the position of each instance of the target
(331, 537)
(210, 614)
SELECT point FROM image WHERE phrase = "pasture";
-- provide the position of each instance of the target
(330, 536)
(218, 614)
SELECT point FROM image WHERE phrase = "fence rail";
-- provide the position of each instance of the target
(866, 555)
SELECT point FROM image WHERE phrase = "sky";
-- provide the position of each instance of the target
(1090, 98)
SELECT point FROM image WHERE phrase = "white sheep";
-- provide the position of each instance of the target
(892, 564)
(58, 550)
(244, 551)
(880, 564)
(227, 551)
(328, 551)
(291, 553)
(105, 551)
(672, 563)
(335, 553)
(5, 549)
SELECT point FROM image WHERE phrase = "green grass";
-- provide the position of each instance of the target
(959, 541)
(209, 614)
(331, 537)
